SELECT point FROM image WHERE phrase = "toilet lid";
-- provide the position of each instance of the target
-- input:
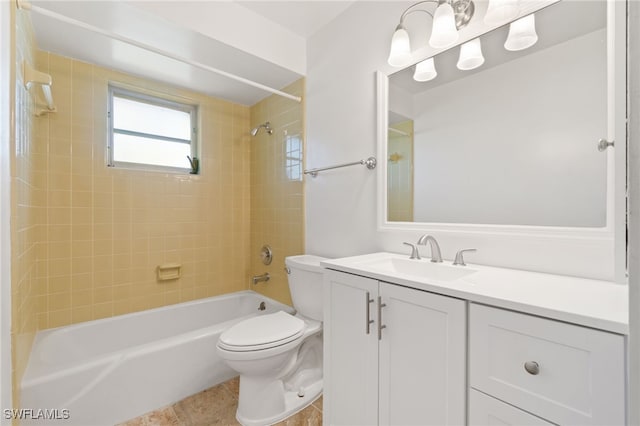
(263, 331)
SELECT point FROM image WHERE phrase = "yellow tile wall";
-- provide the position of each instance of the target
(400, 173)
(277, 184)
(27, 208)
(86, 239)
(107, 229)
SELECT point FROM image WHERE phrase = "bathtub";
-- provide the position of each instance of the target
(111, 370)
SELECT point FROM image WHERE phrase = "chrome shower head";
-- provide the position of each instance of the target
(267, 128)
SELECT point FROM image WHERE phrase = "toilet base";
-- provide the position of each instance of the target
(267, 399)
(292, 404)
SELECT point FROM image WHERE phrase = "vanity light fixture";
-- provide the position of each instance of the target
(448, 17)
(522, 34)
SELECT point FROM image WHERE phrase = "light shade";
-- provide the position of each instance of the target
(522, 34)
(443, 32)
(501, 11)
(470, 55)
(400, 53)
(425, 71)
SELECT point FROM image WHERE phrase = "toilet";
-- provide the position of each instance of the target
(279, 355)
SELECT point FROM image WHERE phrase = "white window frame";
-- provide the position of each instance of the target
(133, 95)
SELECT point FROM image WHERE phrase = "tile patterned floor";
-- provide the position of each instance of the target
(217, 406)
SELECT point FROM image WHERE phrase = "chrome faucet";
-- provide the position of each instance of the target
(459, 260)
(258, 278)
(436, 256)
(415, 254)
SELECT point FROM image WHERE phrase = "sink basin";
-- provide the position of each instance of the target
(424, 269)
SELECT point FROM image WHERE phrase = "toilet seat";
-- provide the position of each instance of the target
(262, 332)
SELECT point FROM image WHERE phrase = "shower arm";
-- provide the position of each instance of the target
(266, 125)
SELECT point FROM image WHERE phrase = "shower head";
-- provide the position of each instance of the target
(267, 128)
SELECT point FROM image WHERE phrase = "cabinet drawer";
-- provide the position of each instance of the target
(564, 373)
(485, 410)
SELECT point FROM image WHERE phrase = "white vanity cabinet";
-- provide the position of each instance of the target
(393, 355)
(563, 373)
(470, 344)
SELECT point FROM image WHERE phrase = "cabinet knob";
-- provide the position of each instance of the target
(532, 367)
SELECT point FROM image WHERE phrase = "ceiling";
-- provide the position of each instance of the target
(256, 21)
(304, 18)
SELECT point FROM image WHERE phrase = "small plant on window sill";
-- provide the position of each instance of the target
(195, 165)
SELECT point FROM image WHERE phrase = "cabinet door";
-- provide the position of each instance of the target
(488, 411)
(350, 352)
(422, 358)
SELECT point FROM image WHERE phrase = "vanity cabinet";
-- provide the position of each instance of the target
(409, 342)
(393, 355)
(562, 373)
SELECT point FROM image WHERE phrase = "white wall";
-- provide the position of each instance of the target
(341, 126)
(529, 161)
(341, 62)
(400, 102)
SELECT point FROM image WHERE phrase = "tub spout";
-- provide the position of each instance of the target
(259, 278)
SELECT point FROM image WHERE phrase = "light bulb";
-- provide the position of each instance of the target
(425, 71)
(522, 34)
(400, 53)
(501, 11)
(443, 31)
(470, 55)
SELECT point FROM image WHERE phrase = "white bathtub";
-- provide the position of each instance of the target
(115, 369)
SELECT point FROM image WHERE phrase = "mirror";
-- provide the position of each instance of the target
(513, 142)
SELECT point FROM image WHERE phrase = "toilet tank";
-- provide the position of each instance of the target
(305, 284)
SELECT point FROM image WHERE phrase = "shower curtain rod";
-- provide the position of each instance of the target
(23, 4)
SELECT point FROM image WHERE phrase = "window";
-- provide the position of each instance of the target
(293, 157)
(151, 133)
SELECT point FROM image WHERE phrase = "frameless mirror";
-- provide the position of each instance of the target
(513, 142)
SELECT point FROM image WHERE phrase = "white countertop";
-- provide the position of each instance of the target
(597, 304)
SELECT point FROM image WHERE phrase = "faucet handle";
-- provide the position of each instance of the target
(459, 260)
(415, 254)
